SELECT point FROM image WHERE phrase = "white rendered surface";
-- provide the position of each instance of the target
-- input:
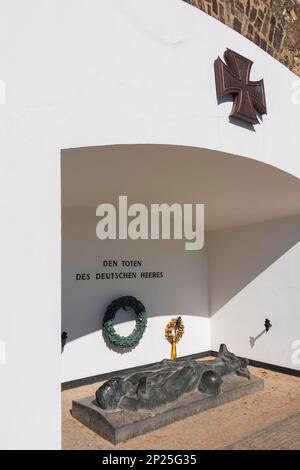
(109, 72)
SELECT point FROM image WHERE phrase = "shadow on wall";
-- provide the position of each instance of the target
(253, 339)
(261, 201)
(237, 256)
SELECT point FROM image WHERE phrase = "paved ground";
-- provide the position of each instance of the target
(282, 435)
(266, 419)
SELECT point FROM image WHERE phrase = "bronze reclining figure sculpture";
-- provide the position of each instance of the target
(157, 385)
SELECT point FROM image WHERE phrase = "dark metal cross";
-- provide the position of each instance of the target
(233, 78)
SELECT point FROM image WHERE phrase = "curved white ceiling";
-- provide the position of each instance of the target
(235, 190)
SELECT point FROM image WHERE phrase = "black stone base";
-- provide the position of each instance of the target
(119, 425)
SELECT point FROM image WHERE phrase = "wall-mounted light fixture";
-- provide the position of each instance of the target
(64, 337)
(267, 325)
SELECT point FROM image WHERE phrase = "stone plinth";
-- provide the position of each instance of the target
(120, 425)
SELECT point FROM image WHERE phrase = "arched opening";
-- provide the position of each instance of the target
(251, 221)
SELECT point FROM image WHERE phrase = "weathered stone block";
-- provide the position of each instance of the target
(121, 425)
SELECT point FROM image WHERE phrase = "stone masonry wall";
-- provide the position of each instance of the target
(274, 25)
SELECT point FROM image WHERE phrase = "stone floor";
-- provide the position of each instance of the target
(269, 419)
(284, 434)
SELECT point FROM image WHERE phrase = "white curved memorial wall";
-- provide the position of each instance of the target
(138, 75)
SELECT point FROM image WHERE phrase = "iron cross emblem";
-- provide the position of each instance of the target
(233, 78)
